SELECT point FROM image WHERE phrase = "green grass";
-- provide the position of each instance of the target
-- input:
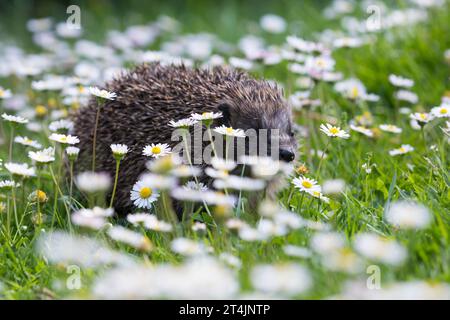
(415, 52)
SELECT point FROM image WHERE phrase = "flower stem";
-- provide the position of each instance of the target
(115, 183)
(94, 141)
(11, 140)
(322, 157)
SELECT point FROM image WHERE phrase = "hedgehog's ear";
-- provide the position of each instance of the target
(225, 108)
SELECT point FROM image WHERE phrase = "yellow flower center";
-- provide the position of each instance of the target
(63, 139)
(81, 89)
(41, 196)
(334, 130)
(443, 111)
(229, 130)
(306, 184)
(354, 92)
(156, 150)
(402, 149)
(40, 110)
(316, 193)
(422, 116)
(206, 114)
(2, 93)
(145, 192)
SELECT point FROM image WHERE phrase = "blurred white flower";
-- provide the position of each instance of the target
(132, 238)
(239, 183)
(5, 93)
(408, 215)
(43, 156)
(405, 148)
(379, 249)
(283, 279)
(187, 247)
(365, 131)
(27, 142)
(327, 242)
(408, 96)
(20, 169)
(399, 81)
(390, 128)
(64, 139)
(333, 186)
(92, 182)
(273, 23)
(14, 119)
(240, 63)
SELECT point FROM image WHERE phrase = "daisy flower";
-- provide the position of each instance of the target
(64, 139)
(281, 279)
(5, 93)
(319, 195)
(408, 215)
(183, 123)
(14, 119)
(132, 238)
(405, 148)
(62, 124)
(192, 185)
(152, 223)
(156, 150)
(20, 169)
(119, 150)
(222, 164)
(102, 93)
(390, 128)
(240, 63)
(25, 141)
(185, 171)
(273, 23)
(239, 183)
(380, 249)
(8, 184)
(421, 117)
(229, 131)
(361, 129)
(143, 195)
(333, 131)
(306, 184)
(72, 152)
(93, 182)
(441, 111)
(43, 156)
(399, 81)
(206, 116)
(408, 96)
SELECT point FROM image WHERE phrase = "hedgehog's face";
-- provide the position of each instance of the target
(272, 124)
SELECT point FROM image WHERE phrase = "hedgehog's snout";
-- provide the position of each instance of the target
(286, 155)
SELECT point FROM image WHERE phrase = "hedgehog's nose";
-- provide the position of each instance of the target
(286, 155)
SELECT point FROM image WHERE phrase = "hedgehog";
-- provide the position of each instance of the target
(150, 95)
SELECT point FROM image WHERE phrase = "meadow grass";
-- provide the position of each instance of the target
(414, 52)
